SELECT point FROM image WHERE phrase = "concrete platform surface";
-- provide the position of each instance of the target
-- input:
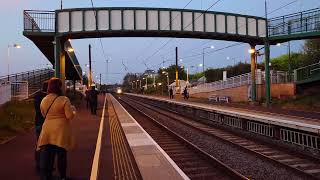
(17, 156)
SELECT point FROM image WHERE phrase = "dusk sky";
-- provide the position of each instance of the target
(133, 51)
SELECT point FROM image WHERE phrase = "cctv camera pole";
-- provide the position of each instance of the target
(90, 70)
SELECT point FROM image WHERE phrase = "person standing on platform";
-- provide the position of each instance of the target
(39, 119)
(56, 137)
(171, 93)
(185, 94)
(87, 98)
(93, 98)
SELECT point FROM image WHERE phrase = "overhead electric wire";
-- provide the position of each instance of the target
(235, 44)
(164, 28)
(98, 32)
(216, 2)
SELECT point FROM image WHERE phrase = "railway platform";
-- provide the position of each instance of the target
(110, 145)
(300, 122)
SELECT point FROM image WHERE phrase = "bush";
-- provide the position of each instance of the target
(17, 116)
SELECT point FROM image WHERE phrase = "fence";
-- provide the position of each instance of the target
(276, 77)
(19, 90)
(302, 22)
(5, 93)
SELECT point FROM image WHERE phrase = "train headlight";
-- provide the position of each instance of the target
(119, 91)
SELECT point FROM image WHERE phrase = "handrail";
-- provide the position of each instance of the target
(294, 14)
(308, 66)
(25, 72)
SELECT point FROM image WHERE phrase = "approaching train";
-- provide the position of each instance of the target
(119, 90)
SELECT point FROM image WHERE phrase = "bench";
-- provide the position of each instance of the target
(224, 99)
(217, 98)
(213, 98)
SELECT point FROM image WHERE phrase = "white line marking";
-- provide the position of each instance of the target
(95, 163)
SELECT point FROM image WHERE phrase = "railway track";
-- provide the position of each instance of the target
(310, 168)
(194, 162)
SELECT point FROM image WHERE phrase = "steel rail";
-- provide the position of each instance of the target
(221, 138)
(204, 154)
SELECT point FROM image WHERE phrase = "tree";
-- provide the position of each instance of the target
(312, 51)
(171, 70)
(128, 79)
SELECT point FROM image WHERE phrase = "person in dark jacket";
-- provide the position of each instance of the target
(87, 98)
(39, 119)
(185, 94)
(171, 93)
(93, 98)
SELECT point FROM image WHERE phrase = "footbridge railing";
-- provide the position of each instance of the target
(295, 24)
(39, 21)
(307, 74)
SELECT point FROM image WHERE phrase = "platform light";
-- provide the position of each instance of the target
(70, 49)
(251, 51)
(200, 65)
(212, 47)
(278, 44)
(159, 84)
(17, 46)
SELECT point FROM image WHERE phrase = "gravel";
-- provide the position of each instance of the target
(250, 165)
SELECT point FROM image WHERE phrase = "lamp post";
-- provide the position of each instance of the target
(8, 56)
(139, 83)
(146, 78)
(289, 55)
(210, 47)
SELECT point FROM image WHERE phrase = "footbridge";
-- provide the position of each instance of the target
(45, 27)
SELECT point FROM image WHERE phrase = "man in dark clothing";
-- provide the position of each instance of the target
(87, 97)
(93, 98)
(185, 93)
(39, 119)
(171, 93)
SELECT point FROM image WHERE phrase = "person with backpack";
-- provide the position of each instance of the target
(39, 119)
(56, 137)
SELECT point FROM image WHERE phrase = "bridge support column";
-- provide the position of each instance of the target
(253, 74)
(267, 71)
(60, 59)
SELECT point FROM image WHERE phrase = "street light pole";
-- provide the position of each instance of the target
(8, 62)
(8, 57)
(211, 47)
